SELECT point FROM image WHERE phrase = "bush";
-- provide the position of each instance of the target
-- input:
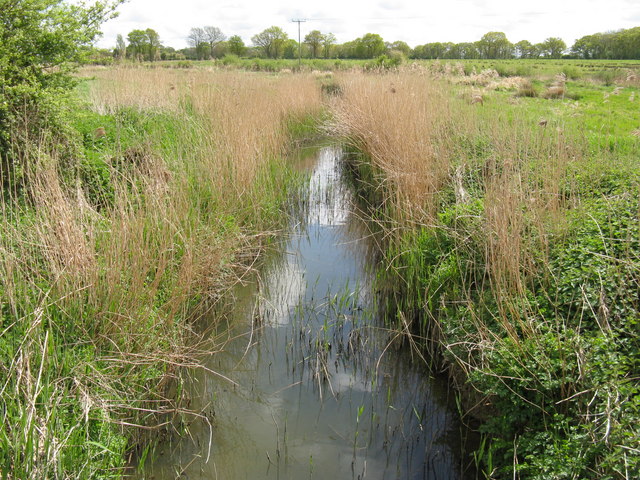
(42, 41)
(383, 62)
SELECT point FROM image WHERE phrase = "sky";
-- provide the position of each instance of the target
(415, 22)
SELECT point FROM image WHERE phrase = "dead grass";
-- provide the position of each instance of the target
(186, 217)
(403, 135)
(419, 139)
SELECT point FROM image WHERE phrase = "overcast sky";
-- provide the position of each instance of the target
(415, 22)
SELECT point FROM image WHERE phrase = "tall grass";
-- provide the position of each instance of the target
(105, 266)
(492, 218)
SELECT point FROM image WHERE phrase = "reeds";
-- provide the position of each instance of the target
(395, 120)
(99, 294)
(480, 205)
(420, 142)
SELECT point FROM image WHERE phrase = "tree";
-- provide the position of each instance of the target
(213, 36)
(121, 48)
(314, 39)
(153, 44)
(373, 45)
(236, 45)
(468, 50)
(328, 42)
(623, 44)
(525, 49)
(495, 45)
(138, 44)
(553, 47)
(290, 49)
(400, 46)
(271, 41)
(197, 39)
(41, 42)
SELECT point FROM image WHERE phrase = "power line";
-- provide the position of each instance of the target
(299, 21)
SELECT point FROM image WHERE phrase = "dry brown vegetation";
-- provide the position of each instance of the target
(121, 278)
(417, 136)
(426, 146)
(481, 204)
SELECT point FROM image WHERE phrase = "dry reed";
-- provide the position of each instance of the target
(420, 142)
(186, 213)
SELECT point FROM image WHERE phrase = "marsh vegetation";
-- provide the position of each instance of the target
(509, 223)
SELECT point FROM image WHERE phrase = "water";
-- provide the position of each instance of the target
(316, 386)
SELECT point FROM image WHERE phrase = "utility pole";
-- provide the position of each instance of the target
(299, 21)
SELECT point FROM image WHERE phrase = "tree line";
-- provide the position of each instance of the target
(210, 42)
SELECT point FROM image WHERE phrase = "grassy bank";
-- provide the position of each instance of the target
(121, 235)
(512, 220)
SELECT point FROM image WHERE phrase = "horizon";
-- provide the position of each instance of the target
(415, 23)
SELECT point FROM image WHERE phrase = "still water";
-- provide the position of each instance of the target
(316, 387)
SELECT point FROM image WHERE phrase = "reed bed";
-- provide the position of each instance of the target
(498, 223)
(105, 267)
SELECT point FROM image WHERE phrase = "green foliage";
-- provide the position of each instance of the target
(143, 45)
(623, 44)
(596, 272)
(272, 41)
(557, 360)
(40, 41)
(236, 46)
(384, 62)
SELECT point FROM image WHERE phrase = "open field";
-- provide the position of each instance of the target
(607, 71)
(509, 192)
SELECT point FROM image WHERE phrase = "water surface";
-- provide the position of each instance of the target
(317, 386)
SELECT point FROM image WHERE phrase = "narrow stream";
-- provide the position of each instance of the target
(321, 388)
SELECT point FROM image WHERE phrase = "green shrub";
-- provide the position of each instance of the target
(41, 42)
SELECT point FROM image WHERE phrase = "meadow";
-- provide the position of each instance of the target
(509, 199)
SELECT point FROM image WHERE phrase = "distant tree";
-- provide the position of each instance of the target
(623, 44)
(430, 50)
(236, 46)
(315, 40)
(328, 44)
(290, 49)
(400, 46)
(153, 44)
(169, 53)
(525, 49)
(626, 44)
(197, 39)
(213, 36)
(220, 50)
(144, 44)
(138, 44)
(452, 50)
(271, 41)
(553, 47)
(495, 45)
(372, 45)
(121, 48)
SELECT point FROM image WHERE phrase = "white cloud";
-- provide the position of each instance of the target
(415, 22)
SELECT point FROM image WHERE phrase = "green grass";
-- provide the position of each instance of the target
(605, 71)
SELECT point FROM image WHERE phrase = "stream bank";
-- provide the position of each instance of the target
(315, 385)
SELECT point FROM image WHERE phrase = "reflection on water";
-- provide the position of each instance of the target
(322, 389)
